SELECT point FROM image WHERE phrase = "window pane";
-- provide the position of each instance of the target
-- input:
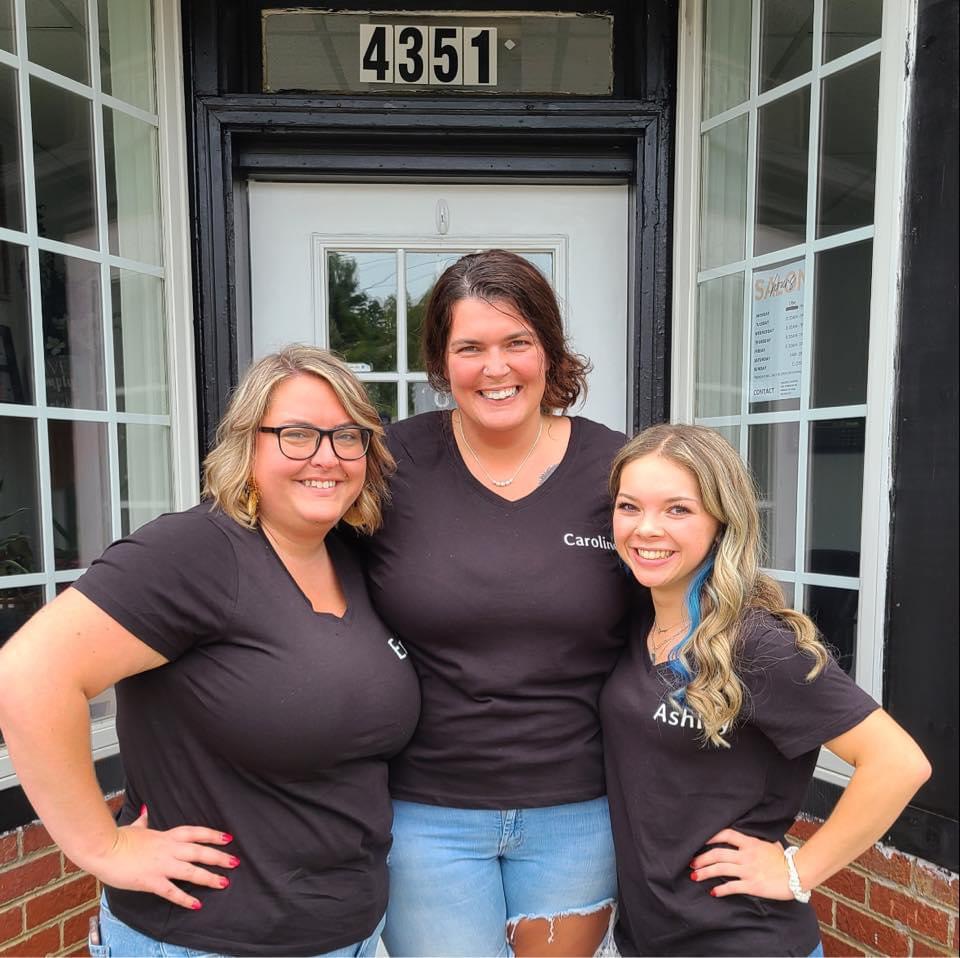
(21, 546)
(57, 36)
(720, 346)
(146, 483)
(80, 487)
(789, 591)
(841, 325)
(139, 342)
(726, 58)
(782, 140)
(850, 24)
(16, 352)
(11, 177)
(63, 161)
(423, 270)
(362, 298)
(8, 38)
(835, 613)
(126, 51)
(730, 433)
(384, 397)
(848, 148)
(133, 186)
(72, 331)
(421, 397)
(835, 496)
(16, 606)
(773, 457)
(786, 40)
(723, 193)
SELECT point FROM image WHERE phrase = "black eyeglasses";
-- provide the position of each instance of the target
(302, 442)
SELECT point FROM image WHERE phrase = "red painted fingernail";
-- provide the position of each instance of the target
(226, 837)
(713, 892)
(234, 861)
(224, 881)
(693, 876)
(196, 906)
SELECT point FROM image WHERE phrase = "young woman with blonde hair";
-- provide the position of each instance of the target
(714, 716)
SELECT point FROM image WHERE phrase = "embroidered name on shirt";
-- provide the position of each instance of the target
(593, 542)
(684, 718)
(397, 647)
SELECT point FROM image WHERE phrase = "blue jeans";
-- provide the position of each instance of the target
(460, 876)
(119, 939)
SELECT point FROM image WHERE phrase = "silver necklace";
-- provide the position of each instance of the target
(656, 646)
(499, 483)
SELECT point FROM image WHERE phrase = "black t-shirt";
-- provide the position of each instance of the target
(669, 793)
(513, 615)
(270, 721)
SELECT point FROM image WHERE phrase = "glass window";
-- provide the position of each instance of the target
(384, 397)
(719, 390)
(849, 25)
(21, 544)
(16, 606)
(126, 51)
(11, 177)
(834, 610)
(146, 477)
(723, 193)
(139, 342)
(773, 457)
(57, 37)
(8, 39)
(786, 40)
(362, 303)
(16, 350)
(422, 272)
(726, 55)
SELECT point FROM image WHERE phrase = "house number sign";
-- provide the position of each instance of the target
(422, 55)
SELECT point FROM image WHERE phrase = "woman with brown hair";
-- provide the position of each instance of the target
(240, 637)
(494, 565)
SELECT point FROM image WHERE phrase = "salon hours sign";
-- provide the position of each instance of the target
(776, 333)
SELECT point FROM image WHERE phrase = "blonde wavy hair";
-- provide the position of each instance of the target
(228, 469)
(734, 586)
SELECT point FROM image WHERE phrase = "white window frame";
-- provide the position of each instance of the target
(170, 121)
(896, 48)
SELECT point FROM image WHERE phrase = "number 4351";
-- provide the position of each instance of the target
(439, 56)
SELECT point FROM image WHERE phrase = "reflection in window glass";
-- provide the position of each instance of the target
(849, 25)
(57, 36)
(126, 51)
(146, 479)
(8, 38)
(11, 178)
(79, 467)
(16, 351)
(362, 302)
(786, 40)
(72, 331)
(21, 544)
(726, 55)
(773, 457)
(841, 325)
(422, 272)
(720, 346)
(384, 397)
(63, 164)
(421, 397)
(848, 148)
(782, 140)
(139, 342)
(835, 496)
(133, 186)
(835, 613)
(723, 193)
(16, 606)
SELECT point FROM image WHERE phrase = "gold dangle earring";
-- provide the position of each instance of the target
(251, 505)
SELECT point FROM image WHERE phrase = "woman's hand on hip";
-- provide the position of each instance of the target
(148, 860)
(751, 865)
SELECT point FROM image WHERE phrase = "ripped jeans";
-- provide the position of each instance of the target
(459, 877)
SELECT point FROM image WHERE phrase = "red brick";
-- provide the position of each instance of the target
(78, 953)
(929, 921)
(848, 883)
(59, 900)
(76, 927)
(923, 949)
(864, 928)
(956, 935)
(28, 877)
(8, 848)
(895, 867)
(802, 828)
(44, 942)
(68, 867)
(11, 923)
(823, 906)
(834, 947)
(937, 886)
(34, 838)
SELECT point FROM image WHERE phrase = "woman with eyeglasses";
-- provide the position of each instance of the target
(259, 696)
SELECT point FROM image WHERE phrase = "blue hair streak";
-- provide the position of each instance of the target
(692, 601)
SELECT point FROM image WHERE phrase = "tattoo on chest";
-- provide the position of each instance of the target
(547, 473)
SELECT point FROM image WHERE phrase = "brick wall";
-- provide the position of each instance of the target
(884, 903)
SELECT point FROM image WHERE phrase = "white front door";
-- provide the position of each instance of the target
(350, 266)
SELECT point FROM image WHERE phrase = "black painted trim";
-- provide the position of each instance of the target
(15, 807)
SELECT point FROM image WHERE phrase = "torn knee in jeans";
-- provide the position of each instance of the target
(514, 920)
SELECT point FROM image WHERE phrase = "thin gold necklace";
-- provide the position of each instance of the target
(499, 483)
